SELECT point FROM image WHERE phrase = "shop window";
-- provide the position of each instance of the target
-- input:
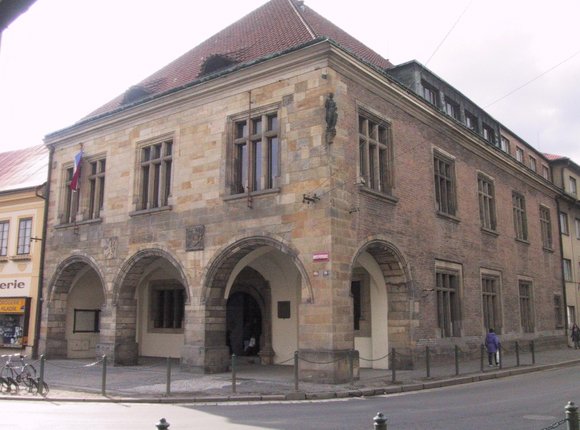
(167, 307)
(14, 317)
(24, 235)
(4, 227)
(86, 321)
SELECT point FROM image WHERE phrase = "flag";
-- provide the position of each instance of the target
(74, 183)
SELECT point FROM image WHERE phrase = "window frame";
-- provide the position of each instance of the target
(545, 172)
(24, 242)
(486, 197)
(4, 237)
(573, 186)
(71, 198)
(533, 163)
(447, 289)
(519, 216)
(488, 133)
(546, 227)
(430, 93)
(491, 301)
(471, 121)
(157, 313)
(526, 302)
(445, 184)
(519, 154)
(504, 144)
(96, 183)
(375, 153)
(568, 270)
(577, 224)
(155, 190)
(564, 226)
(452, 108)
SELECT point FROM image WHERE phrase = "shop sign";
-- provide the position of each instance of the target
(12, 306)
(320, 256)
(14, 287)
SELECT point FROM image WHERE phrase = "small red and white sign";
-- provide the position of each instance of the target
(320, 256)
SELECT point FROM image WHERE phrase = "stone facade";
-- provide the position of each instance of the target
(293, 248)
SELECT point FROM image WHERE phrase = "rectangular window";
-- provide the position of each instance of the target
(156, 165)
(573, 188)
(86, 321)
(546, 172)
(471, 121)
(451, 108)
(490, 297)
(167, 306)
(448, 315)
(558, 316)
(519, 214)
(505, 145)
(546, 227)
(564, 223)
(520, 154)
(444, 184)
(488, 133)
(533, 164)
(526, 315)
(375, 154)
(4, 226)
(577, 222)
(96, 188)
(24, 235)
(568, 277)
(485, 189)
(256, 154)
(430, 94)
(71, 198)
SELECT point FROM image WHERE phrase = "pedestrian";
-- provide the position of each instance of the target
(575, 336)
(492, 345)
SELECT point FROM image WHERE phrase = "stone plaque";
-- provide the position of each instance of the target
(110, 245)
(194, 238)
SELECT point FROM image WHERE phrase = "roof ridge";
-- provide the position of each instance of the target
(301, 18)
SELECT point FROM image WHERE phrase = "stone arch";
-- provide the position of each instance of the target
(218, 270)
(66, 271)
(134, 267)
(388, 267)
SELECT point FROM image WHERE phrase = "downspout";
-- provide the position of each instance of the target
(565, 302)
(39, 299)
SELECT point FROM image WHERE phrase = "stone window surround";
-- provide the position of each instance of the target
(524, 280)
(455, 269)
(497, 276)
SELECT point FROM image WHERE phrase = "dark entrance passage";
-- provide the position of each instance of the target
(244, 325)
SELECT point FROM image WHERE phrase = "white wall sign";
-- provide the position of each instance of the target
(14, 287)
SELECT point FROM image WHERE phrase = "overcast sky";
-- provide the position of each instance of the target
(65, 58)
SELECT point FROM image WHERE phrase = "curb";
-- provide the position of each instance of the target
(302, 396)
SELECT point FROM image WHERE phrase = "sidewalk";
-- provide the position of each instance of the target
(82, 380)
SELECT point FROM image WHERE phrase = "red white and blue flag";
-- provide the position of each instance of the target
(75, 183)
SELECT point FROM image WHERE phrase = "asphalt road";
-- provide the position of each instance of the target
(532, 401)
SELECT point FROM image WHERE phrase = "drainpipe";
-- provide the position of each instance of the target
(39, 299)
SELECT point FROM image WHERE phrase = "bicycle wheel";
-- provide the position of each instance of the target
(27, 376)
(4, 386)
(6, 372)
(45, 388)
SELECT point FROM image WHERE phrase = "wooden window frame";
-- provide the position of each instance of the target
(375, 153)
(166, 315)
(96, 182)
(448, 303)
(445, 184)
(519, 216)
(4, 236)
(24, 244)
(155, 176)
(486, 193)
(525, 290)
(546, 227)
(491, 302)
(564, 225)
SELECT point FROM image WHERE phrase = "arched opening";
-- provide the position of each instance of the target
(244, 325)
(382, 301)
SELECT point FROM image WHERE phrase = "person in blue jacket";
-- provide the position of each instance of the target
(492, 345)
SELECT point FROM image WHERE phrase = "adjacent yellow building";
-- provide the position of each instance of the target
(22, 189)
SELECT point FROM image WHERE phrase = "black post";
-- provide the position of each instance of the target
(481, 359)
(533, 349)
(428, 361)
(572, 416)
(500, 356)
(104, 377)
(233, 373)
(456, 360)
(351, 364)
(380, 422)
(517, 354)
(295, 370)
(41, 376)
(393, 372)
(162, 424)
(168, 381)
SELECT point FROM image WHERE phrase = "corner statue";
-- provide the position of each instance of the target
(331, 117)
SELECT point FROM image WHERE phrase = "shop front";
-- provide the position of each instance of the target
(14, 312)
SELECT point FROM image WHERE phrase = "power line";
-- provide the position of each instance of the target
(532, 80)
(448, 33)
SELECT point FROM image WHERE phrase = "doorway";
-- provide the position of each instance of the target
(244, 325)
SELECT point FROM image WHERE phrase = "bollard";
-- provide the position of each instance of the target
(104, 379)
(500, 356)
(572, 416)
(351, 365)
(428, 361)
(162, 424)
(533, 349)
(168, 382)
(41, 376)
(295, 370)
(517, 354)
(234, 373)
(456, 360)
(393, 373)
(481, 360)
(380, 422)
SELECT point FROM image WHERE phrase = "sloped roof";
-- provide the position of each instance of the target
(275, 27)
(554, 157)
(23, 168)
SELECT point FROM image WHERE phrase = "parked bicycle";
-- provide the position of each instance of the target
(18, 372)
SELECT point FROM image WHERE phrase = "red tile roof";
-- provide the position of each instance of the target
(553, 157)
(23, 168)
(275, 27)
